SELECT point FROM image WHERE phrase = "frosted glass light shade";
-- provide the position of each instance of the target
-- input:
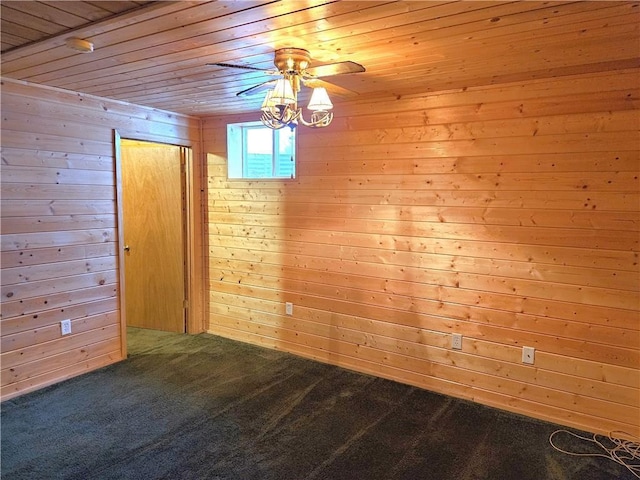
(320, 100)
(282, 93)
(267, 104)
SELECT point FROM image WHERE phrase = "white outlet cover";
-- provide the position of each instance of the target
(65, 327)
(456, 341)
(528, 355)
(289, 308)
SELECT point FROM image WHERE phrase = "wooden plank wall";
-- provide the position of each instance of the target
(507, 213)
(59, 250)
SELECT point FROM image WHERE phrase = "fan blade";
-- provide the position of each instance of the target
(261, 87)
(243, 67)
(339, 68)
(330, 87)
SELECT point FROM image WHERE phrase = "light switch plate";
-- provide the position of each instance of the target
(528, 354)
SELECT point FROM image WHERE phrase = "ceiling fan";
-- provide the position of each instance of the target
(280, 106)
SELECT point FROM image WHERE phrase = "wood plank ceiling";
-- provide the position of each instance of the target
(156, 53)
(25, 22)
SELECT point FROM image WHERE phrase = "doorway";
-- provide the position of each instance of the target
(153, 238)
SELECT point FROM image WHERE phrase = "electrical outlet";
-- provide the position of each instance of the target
(65, 327)
(456, 341)
(288, 308)
(528, 354)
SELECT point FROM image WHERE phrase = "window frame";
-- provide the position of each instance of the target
(237, 151)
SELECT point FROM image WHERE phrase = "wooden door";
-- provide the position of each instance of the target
(153, 228)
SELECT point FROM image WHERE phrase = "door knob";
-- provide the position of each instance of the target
(127, 248)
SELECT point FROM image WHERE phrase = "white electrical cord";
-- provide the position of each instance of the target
(623, 452)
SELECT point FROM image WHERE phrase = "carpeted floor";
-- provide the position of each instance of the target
(202, 407)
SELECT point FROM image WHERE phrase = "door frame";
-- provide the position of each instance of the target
(194, 244)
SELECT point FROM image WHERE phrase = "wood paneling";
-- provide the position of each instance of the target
(59, 229)
(157, 55)
(509, 214)
(24, 22)
(484, 181)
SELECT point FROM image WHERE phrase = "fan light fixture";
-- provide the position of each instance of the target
(280, 105)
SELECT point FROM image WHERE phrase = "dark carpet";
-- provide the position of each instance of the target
(203, 407)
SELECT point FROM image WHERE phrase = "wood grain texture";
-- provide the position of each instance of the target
(59, 229)
(161, 54)
(32, 21)
(508, 214)
(154, 233)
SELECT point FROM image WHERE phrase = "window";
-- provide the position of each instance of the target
(256, 151)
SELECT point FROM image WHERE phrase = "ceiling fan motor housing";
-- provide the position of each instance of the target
(292, 60)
